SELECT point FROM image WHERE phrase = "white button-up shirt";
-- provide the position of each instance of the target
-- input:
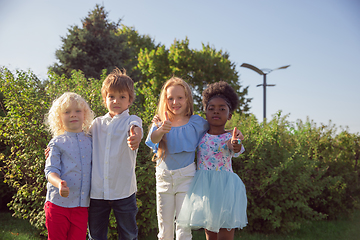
(113, 171)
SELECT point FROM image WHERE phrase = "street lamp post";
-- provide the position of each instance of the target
(264, 73)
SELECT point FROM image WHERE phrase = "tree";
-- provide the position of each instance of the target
(198, 67)
(24, 135)
(136, 42)
(94, 47)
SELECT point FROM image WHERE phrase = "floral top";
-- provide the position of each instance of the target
(214, 154)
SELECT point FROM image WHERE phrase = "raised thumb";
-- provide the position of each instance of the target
(63, 183)
(132, 130)
(234, 134)
(166, 116)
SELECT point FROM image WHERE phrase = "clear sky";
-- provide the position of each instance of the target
(319, 39)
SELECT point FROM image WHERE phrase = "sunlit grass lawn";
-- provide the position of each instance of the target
(345, 229)
(14, 228)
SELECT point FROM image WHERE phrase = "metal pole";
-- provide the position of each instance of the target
(264, 86)
(261, 72)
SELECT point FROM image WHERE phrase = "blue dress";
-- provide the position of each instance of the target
(217, 196)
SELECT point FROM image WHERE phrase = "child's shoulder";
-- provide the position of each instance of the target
(59, 139)
(97, 119)
(134, 116)
(197, 118)
(198, 121)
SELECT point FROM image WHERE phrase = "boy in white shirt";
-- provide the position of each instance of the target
(116, 137)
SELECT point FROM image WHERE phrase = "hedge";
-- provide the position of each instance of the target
(293, 172)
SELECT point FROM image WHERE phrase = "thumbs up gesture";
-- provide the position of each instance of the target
(134, 138)
(63, 189)
(235, 142)
(166, 126)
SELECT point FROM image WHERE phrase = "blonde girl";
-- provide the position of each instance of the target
(174, 141)
(68, 167)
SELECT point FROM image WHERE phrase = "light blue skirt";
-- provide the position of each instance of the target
(216, 199)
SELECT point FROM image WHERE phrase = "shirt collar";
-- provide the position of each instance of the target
(125, 113)
(73, 134)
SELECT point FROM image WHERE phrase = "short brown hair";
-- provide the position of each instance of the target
(118, 81)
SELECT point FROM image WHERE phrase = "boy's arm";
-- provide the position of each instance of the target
(56, 181)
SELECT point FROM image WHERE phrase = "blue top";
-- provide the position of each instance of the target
(181, 143)
(70, 157)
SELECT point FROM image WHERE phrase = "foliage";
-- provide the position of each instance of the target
(293, 173)
(198, 67)
(289, 175)
(23, 131)
(94, 47)
(5, 190)
(340, 155)
(136, 42)
(27, 101)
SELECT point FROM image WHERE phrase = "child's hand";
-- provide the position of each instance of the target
(134, 139)
(156, 119)
(47, 150)
(63, 189)
(239, 135)
(236, 140)
(166, 126)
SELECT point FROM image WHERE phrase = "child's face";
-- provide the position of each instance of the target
(72, 118)
(117, 102)
(217, 112)
(176, 100)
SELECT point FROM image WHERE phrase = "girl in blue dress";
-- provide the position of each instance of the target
(174, 140)
(216, 200)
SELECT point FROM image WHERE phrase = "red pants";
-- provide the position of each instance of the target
(66, 223)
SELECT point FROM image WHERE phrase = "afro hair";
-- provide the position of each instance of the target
(223, 90)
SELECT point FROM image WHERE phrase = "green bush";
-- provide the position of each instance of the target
(27, 100)
(338, 153)
(293, 173)
(22, 130)
(289, 175)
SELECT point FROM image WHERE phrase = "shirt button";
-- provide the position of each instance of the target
(82, 193)
(80, 140)
(83, 156)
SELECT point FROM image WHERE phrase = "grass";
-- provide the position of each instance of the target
(14, 228)
(343, 229)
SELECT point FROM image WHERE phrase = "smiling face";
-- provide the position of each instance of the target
(176, 100)
(117, 102)
(72, 118)
(217, 112)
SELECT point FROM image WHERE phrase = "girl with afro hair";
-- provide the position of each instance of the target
(216, 200)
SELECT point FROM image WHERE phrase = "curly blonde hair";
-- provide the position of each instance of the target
(53, 119)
